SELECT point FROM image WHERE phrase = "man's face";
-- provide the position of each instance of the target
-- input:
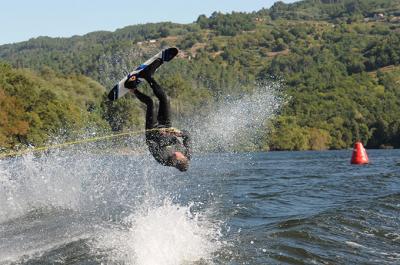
(179, 156)
(180, 161)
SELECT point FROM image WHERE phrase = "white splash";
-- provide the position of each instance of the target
(238, 120)
(169, 234)
(156, 231)
(28, 184)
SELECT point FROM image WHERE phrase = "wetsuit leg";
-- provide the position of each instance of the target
(164, 110)
(150, 122)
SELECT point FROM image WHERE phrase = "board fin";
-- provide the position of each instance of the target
(169, 54)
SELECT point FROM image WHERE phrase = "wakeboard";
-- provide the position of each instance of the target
(120, 89)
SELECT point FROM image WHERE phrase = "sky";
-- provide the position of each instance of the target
(24, 19)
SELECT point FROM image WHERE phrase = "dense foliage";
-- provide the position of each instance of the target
(229, 24)
(337, 59)
(333, 10)
(36, 106)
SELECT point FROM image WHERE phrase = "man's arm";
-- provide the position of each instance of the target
(187, 142)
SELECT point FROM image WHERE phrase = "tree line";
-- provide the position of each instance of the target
(338, 69)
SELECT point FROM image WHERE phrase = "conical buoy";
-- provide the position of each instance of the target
(359, 156)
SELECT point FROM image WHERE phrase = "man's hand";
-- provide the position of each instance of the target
(132, 82)
(171, 131)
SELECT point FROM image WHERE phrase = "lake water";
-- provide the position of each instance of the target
(250, 208)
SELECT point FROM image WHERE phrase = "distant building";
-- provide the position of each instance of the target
(143, 42)
(376, 17)
(395, 20)
(379, 16)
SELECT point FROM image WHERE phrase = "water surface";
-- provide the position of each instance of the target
(248, 208)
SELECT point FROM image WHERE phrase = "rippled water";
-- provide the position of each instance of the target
(250, 208)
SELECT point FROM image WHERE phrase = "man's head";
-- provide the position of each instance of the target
(180, 161)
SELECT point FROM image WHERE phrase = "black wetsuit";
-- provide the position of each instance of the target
(161, 138)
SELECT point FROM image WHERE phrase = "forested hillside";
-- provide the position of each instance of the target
(337, 61)
(37, 106)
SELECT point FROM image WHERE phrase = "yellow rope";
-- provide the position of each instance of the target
(88, 140)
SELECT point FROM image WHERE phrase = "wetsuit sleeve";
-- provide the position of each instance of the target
(159, 146)
(187, 142)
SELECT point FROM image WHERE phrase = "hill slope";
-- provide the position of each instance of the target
(36, 106)
(333, 57)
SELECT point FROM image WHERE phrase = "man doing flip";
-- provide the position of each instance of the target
(169, 146)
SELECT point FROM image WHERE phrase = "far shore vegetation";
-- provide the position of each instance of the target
(338, 62)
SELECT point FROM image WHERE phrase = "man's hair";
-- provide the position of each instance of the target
(182, 165)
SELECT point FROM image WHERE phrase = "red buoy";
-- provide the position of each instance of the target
(359, 156)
